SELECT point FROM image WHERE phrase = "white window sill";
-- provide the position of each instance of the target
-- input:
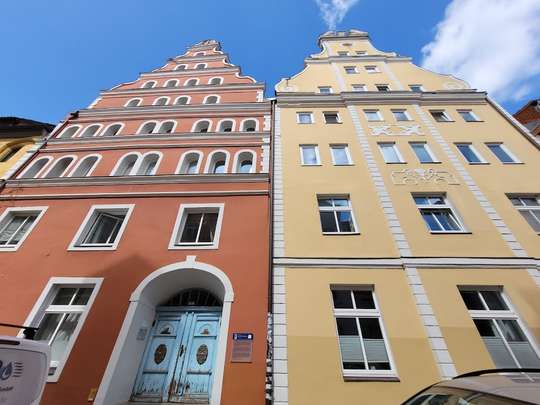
(9, 248)
(451, 232)
(512, 163)
(445, 121)
(370, 377)
(478, 163)
(306, 165)
(190, 247)
(429, 163)
(343, 164)
(340, 233)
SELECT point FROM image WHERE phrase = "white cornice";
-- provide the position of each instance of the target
(160, 110)
(357, 58)
(186, 59)
(184, 89)
(191, 72)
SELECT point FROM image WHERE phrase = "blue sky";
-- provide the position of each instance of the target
(58, 54)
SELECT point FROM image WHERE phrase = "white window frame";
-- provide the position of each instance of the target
(176, 83)
(173, 129)
(376, 111)
(330, 90)
(317, 156)
(427, 148)
(356, 86)
(383, 85)
(473, 114)
(7, 214)
(528, 208)
(210, 161)
(81, 161)
(149, 81)
(66, 170)
(191, 78)
(204, 66)
(218, 99)
(363, 313)
(140, 161)
(339, 121)
(335, 209)
(447, 205)
(396, 150)
(416, 85)
(311, 117)
(122, 125)
(353, 70)
(361, 53)
(342, 53)
(177, 67)
(243, 122)
(215, 77)
(370, 71)
(121, 160)
(236, 162)
(401, 110)
(179, 97)
(474, 150)
(220, 122)
(47, 295)
(210, 123)
(492, 314)
(81, 132)
(505, 149)
(86, 224)
(184, 157)
(168, 100)
(67, 129)
(147, 122)
(49, 159)
(180, 221)
(445, 114)
(347, 153)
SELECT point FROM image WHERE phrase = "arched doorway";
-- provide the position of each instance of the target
(121, 374)
(178, 363)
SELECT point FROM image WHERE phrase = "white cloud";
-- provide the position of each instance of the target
(492, 44)
(334, 11)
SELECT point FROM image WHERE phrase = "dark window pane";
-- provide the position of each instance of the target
(370, 328)
(208, 227)
(472, 300)
(328, 222)
(420, 200)
(82, 297)
(189, 234)
(494, 300)
(341, 202)
(354, 366)
(345, 221)
(485, 327)
(379, 365)
(511, 330)
(47, 326)
(364, 299)
(63, 296)
(430, 220)
(342, 299)
(325, 202)
(347, 326)
(447, 220)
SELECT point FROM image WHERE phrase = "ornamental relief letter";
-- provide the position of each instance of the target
(422, 176)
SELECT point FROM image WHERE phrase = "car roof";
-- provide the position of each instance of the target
(519, 386)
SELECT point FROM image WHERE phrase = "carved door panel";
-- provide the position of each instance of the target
(195, 370)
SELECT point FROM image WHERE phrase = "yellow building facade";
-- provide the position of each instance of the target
(406, 230)
(19, 138)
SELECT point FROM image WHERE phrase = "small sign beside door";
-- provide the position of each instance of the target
(242, 348)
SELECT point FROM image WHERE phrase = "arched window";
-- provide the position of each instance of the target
(126, 165)
(217, 163)
(211, 100)
(249, 126)
(226, 126)
(90, 131)
(215, 81)
(85, 166)
(59, 167)
(167, 127)
(149, 85)
(112, 130)
(183, 100)
(199, 54)
(180, 67)
(147, 128)
(161, 101)
(190, 163)
(200, 66)
(134, 102)
(10, 151)
(191, 82)
(244, 162)
(171, 83)
(35, 168)
(69, 132)
(202, 126)
(149, 164)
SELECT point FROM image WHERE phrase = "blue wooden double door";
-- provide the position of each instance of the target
(178, 363)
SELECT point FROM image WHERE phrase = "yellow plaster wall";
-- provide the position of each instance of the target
(6, 144)
(313, 348)
(464, 343)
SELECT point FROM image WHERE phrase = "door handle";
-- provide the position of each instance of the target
(181, 351)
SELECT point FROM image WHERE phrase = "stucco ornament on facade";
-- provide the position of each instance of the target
(422, 176)
(398, 130)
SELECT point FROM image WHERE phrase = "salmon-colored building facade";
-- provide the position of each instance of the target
(137, 240)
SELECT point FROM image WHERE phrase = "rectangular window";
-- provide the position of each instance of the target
(423, 152)
(331, 118)
(390, 152)
(372, 69)
(102, 228)
(440, 116)
(500, 328)
(340, 155)
(416, 88)
(350, 70)
(362, 339)
(470, 153)
(336, 215)
(197, 226)
(16, 224)
(309, 155)
(468, 115)
(438, 214)
(359, 87)
(59, 315)
(373, 115)
(343, 53)
(361, 53)
(529, 208)
(304, 118)
(502, 152)
(401, 115)
(325, 89)
(382, 87)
